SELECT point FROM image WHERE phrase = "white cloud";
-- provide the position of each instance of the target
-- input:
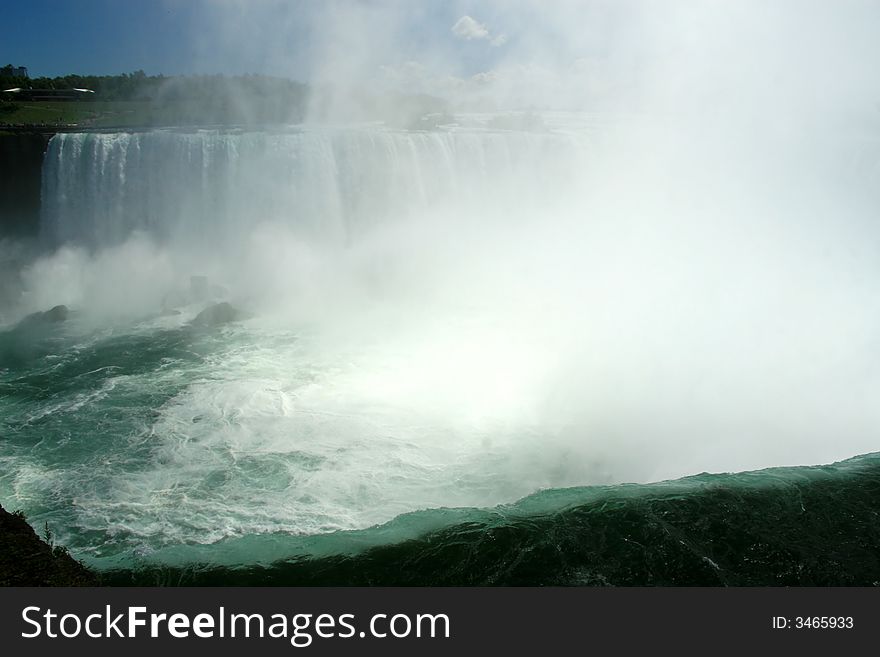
(487, 77)
(470, 30)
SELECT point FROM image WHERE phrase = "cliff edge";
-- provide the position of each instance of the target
(27, 560)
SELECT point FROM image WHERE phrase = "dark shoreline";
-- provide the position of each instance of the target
(800, 526)
(21, 178)
(805, 526)
(27, 560)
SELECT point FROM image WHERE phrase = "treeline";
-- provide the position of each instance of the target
(190, 99)
(140, 86)
(128, 86)
(138, 99)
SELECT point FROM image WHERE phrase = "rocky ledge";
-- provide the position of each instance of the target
(27, 560)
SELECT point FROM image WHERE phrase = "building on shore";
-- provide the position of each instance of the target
(10, 71)
(46, 94)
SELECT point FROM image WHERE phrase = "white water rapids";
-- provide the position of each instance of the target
(461, 317)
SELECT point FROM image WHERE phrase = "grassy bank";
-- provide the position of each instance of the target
(125, 113)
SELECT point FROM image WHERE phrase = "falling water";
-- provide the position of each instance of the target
(440, 319)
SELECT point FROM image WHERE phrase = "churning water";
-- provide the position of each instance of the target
(445, 319)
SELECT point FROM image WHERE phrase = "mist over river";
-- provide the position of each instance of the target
(429, 324)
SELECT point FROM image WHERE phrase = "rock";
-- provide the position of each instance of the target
(33, 337)
(219, 313)
(26, 560)
(52, 316)
(56, 314)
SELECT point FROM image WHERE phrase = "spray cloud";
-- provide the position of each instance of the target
(673, 268)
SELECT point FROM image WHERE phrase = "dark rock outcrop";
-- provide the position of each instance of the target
(52, 316)
(26, 560)
(219, 313)
(55, 314)
(21, 162)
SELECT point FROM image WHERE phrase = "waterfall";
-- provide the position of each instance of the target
(177, 186)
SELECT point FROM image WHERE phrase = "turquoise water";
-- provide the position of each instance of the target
(462, 346)
(96, 443)
(810, 526)
(160, 442)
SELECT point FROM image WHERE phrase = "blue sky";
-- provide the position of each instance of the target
(55, 37)
(561, 53)
(448, 48)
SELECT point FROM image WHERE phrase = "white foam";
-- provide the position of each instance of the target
(463, 318)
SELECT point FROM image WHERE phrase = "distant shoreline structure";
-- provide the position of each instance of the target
(27, 94)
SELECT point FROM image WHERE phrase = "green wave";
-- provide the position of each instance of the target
(807, 526)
